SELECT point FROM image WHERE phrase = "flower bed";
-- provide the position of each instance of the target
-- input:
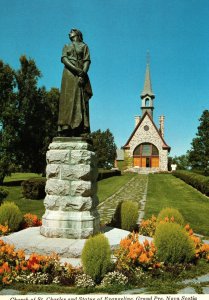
(134, 262)
(37, 269)
(131, 254)
(31, 220)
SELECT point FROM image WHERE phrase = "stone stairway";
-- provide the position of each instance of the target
(142, 170)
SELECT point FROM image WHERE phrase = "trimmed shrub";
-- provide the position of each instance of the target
(129, 215)
(116, 219)
(3, 194)
(10, 215)
(198, 181)
(173, 244)
(169, 214)
(96, 257)
(126, 215)
(34, 188)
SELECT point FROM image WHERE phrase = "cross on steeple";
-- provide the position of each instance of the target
(148, 57)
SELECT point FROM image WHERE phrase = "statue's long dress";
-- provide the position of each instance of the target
(73, 104)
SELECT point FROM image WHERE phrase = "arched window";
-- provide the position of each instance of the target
(155, 150)
(147, 102)
(146, 149)
(146, 155)
(137, 150)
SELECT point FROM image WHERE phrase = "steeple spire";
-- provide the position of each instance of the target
(147, 94)
(147, 91)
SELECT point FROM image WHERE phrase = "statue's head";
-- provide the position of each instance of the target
(75, 32)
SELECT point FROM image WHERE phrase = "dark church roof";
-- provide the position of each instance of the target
(147, 91)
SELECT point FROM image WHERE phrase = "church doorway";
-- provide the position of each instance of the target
(148, 162)
(146, 155)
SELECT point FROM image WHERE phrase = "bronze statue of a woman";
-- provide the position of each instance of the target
(76, 89)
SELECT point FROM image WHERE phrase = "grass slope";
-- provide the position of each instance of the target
(19, 177)
(109, 186)
(106, 188)
(13, 184)
(165, 190)
(25, 205)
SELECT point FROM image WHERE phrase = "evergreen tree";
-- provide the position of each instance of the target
(199, 153)
(104, 147)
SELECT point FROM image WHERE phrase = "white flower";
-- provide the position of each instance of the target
(33, 278)
(56, 280)
(84, 281)
(114, 278)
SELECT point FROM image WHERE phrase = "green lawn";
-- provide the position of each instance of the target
(109, 186)
(20, 176)
(12, 183)
(25, 205)
(165, 190)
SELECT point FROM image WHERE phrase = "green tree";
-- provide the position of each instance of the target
(30, 100)
(104, 147)
(199, 153)
(36, 121)
(28, 118)
(51, 106)
(181, 161)
(8, 120)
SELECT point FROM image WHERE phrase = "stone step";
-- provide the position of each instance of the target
(31, 241)
(142, 170)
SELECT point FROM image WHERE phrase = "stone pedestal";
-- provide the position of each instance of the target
(71, 188)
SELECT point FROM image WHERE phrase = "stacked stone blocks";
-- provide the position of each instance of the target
(71, 200)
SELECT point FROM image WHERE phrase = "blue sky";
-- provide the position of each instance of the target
(119, 33)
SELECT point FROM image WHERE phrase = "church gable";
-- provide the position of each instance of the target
(146, 145)
(145, 132)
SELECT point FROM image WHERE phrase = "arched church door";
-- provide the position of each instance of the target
(146, 155)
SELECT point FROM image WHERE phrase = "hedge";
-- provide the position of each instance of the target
(103, 174)
(200, 182)
(34, 188)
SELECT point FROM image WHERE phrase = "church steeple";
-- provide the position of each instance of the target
(147, 95)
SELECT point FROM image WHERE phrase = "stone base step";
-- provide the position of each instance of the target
(142, 170)
(31, 241)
